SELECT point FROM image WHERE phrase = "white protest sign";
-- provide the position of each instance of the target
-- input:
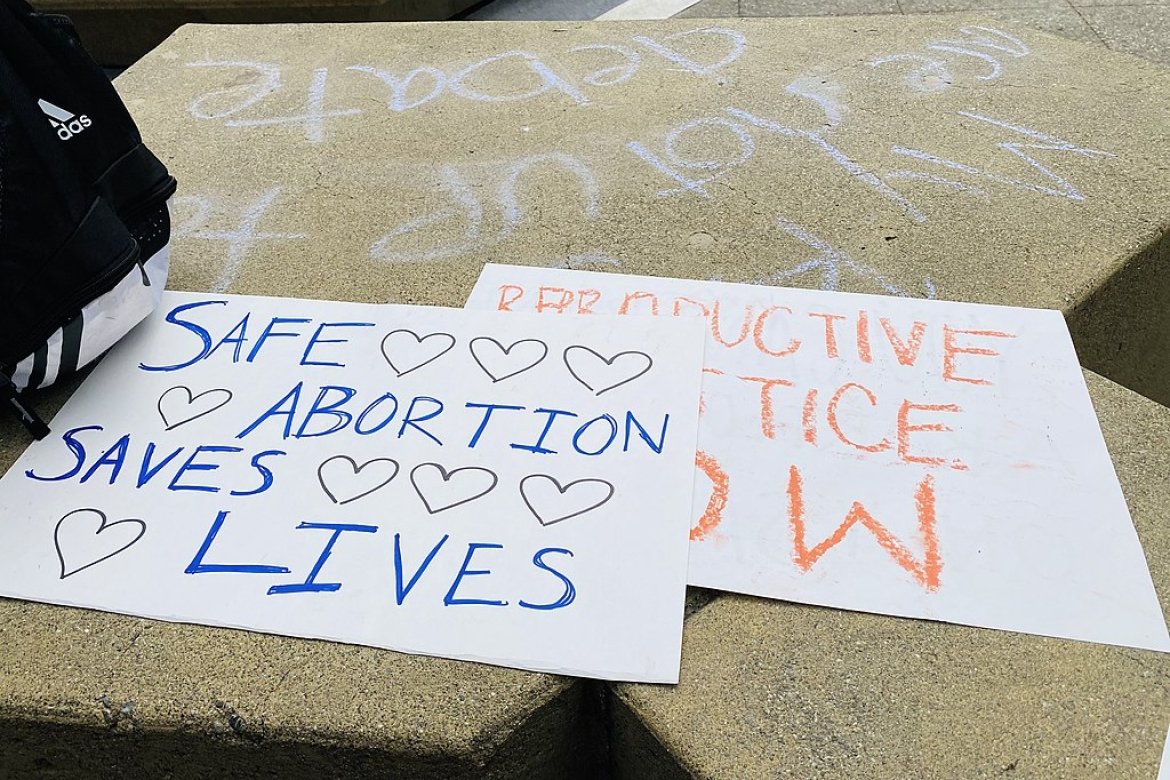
(472, 485)
(908, 457)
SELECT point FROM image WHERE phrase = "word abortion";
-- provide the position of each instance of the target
(287, 465)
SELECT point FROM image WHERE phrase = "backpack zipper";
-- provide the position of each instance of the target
(15, 401)
(11, 395)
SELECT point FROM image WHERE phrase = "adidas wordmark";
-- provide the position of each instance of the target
(66, 124)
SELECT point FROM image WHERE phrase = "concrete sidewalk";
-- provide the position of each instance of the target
(1140, 27)
(876, 154)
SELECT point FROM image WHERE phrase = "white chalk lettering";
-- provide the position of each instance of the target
(514, 212)
(464, 205)
(738, 46)
(549, 81)
(1058, 185)
(232, 100)
(935, 75)
(242, 97)
(715, 168)
(614, 74)
(831, 263)
(399, 99)
(314, 116)
(241, 240)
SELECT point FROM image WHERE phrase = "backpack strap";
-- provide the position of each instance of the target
(11, 397)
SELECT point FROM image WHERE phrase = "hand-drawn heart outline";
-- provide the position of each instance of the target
(103, 526)
(420, 340)
(446, 475)
(608, 362)
(356, 471)
(507, 351)
(191, 398)
(562, 491)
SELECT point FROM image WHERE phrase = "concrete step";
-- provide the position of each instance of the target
(771, 689)
(919, 155)
(85, 694)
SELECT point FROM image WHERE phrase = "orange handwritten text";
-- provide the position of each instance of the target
(758, 333)
(809, 417)
(767, 411)
(951, 350)
(905, 429)
(713, 514)
(905, 351)
(716, 328)
(831, 414)
(509, 294)
(679, 303)
(830, 332)
(559, 304)
(863, 351)
(634, 297)
(586, 299)
(926, 572)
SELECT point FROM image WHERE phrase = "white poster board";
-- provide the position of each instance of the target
(465, 484)
(908, 457)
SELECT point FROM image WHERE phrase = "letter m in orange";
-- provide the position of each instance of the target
(925, 571)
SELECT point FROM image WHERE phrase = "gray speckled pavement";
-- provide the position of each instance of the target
(1140, 27)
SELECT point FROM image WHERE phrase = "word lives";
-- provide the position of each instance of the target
(200, 339)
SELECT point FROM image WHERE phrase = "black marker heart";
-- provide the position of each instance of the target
(406, 351)
(601, 374)
(91, 539)
(500, 362)
(552, 503)
(179, 405)
(343, 481)
(449, 489)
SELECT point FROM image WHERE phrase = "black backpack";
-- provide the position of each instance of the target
(84, 226)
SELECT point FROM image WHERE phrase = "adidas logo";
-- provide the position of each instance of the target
(66, 124)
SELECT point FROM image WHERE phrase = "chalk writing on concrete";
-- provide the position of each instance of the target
(399, 99)
(405, 242)
(832, 263)
(507, 77)
(1058, 186)
(611, 75)
(466, 207)
(241, 239)
(662, 48)
(987, 45)
(246, 96)
(822, 93)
